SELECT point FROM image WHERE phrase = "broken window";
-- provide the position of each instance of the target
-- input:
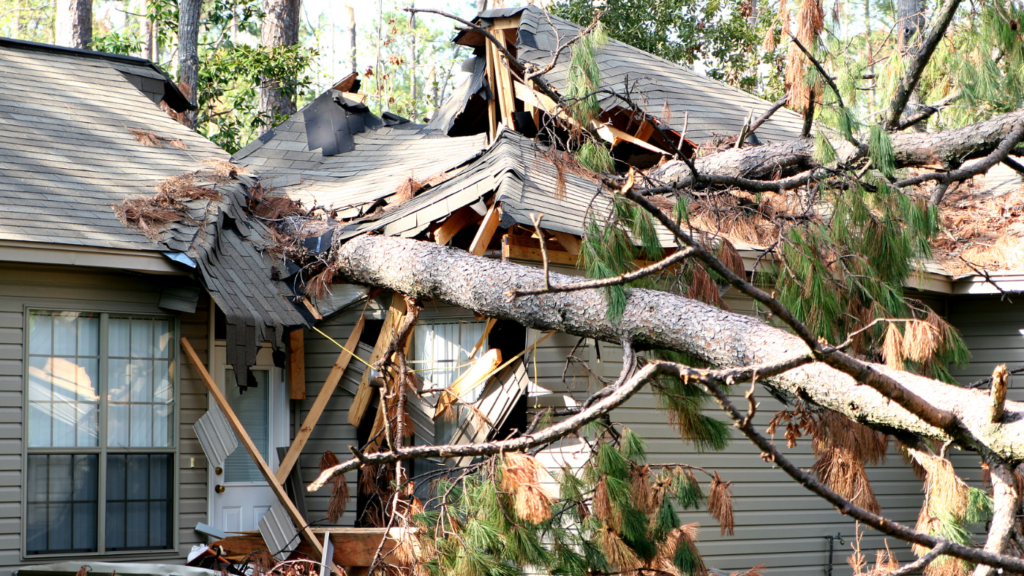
(440, 353)
(100, 433)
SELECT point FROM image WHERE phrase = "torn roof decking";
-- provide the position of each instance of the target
(383, 159)
(523, 179)
(67, 154)
(714, 108)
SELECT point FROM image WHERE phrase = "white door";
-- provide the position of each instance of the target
(239, 495)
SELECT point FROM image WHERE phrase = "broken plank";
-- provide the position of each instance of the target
(615, 136)
(492, 110)
(483, 337)
(246, 441)
(454, 224)
(505, 23)
(510, 250)
(330, 385)
(296, 365)
(365, 393)
(504, 80)
(568, 241)
(486, 231)
(468, 380)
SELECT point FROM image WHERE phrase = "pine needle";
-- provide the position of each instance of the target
(892, 348)
(920, 341)
(720, 504)
(616, 551)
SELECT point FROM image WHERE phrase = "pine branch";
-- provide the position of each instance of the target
(916, 67)
(998, 155)
(769, 112)
(860, 371)
(846, 507)
(929, 111)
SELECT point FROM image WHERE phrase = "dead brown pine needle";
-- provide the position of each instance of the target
(720, 504)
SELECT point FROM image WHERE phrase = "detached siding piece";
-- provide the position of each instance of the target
(501, 394)
(45, 287)
(215, 436)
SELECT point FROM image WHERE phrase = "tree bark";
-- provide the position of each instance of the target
(1004, 512)
(949, 148)
(660, 320)
(349, 32)
(280, 28)
(188, 53)
(74, 23)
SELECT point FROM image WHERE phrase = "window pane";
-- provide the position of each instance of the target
(88, 424)
(88, 380)
(161, 425)
(162, 332)
(161, 381)
(88, 335)
(40, 333)
(39, 420)
(119, 380)
(117, 425)
(142, 381)
(138, 502)
(64, 416)
(252, 409)
(142, 338)
(39, 378)
(61, 512)
(119, 336)
(65, 334)
(142, 425)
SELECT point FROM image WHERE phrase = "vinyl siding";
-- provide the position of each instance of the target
(90, 290)
(778, 522)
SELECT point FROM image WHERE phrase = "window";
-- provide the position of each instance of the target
(441, 350)
(100, 462)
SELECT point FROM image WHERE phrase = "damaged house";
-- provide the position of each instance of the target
(172, 381)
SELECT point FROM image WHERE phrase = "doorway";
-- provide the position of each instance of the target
(239, 495)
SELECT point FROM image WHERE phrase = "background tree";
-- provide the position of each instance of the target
(279, 29)
(74, 23)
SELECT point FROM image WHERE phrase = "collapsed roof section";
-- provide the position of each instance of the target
(335, 153)
(208, 216)
(677, 98)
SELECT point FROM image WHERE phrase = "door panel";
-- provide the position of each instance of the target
(239, 495)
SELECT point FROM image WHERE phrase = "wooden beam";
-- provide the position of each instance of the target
(505, 23)
(483, 337)
(504, 79)
(615, 136)
(486, 231)
(510, 251)
(296, 366)
(364, 395)
(321, 402)
(492, 104)
(568, 241)
(468, 380)
(312, 309)
(454, 224)
(243, 437)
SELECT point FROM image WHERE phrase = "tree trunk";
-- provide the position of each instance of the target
(412, 61)
(280, 28)
(188, 53)
(949, 148)
(660, 320)
(74, 23)
(910, 15)
(481, 5)
(349, 33)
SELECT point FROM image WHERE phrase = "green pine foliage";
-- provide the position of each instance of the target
(612, 515)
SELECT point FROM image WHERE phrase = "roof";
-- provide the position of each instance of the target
(68, 154)
(382, 160)
(712, 107)
(524, 179)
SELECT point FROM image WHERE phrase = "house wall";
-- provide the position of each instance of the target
(778, 522)
(99, 291)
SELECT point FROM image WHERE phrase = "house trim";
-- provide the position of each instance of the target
(69, 255)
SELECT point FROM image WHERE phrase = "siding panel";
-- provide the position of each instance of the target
(90, 290)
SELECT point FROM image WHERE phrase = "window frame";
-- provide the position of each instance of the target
(102, 449)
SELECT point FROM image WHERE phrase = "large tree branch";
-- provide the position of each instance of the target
(918, 64)
(659, 320)
(880, 523)
(1004, 506)
(950, 148)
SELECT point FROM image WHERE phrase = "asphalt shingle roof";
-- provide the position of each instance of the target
(66, 152)
(383, 158)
